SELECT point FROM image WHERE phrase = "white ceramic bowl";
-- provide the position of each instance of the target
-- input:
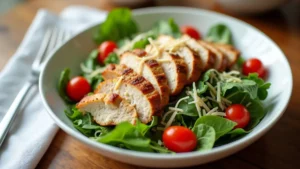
(248, 39)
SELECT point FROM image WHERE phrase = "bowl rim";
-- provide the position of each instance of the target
(158, 156)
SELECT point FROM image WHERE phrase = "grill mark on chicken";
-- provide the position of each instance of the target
(139, 52)
(138, 80)
(161, 78)
(147, 88)
(152, 63)
(127, 71)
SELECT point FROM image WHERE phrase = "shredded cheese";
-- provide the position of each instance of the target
(218, 114)
(248, 104)
(212, 110)
(96, 72)
(175, 109)
(85, 69)
(118, 83)
(218, 92)
(175, 112)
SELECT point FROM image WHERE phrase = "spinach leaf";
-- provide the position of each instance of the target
(112, 58)
(220, 124)
(263, 87)
(247, 86)
(160, 149)
(127, 135)
(118, 25)
(143, 128)
(188, 109)
(206, 136)
(219, 33)
(167, 28)
(62, 84)
(91, 61)
(85, 123)
(237, 132)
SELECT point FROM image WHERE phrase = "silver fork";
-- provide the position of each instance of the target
(53, 37)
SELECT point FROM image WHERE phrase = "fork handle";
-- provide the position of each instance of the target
(10, 115)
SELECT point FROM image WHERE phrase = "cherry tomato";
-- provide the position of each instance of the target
(105, 49)
(179, 139)
(254, 65)
(239, 114)
(77, 88)
(191, 31)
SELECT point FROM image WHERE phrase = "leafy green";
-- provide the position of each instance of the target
(158, 148)
(220, 124)
(118, 25)
(85, 123)
(255, 107)
(206, 136)
(263, 87)
(112, 58)
(219, 33)
(188, 109)
(127, 135)
(247, 86)
(168, 27)
(91, 61)
(62, 84)
(237, 132)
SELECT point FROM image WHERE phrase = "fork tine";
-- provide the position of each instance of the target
(42, 49)
(53, 40)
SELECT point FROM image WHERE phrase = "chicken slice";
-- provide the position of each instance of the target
(231, 53)
(206, 56)
(220, 58)
(190, 57)
(151, 70)
(108, 109)
(137, 90)
(174, 67)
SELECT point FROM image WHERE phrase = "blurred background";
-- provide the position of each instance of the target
(233, 6)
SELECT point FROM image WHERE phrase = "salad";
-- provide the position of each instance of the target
(167, 90)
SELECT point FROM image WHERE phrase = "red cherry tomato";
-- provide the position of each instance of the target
(239, 114)
(179, 139)
(77, 88)
(191, 31)
(254, 65)
(105, 49)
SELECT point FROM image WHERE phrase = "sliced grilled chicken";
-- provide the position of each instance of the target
(151, 70)
(137, 90)
(190, 57)
(206, 56)
(174, 67)
(220, 58)
(231, 53)
(108, 109)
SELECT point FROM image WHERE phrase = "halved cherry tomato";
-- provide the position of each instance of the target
(191, 31)
(254, 65)
(179, 139)
(77, 88)
(239, 114)
(105, 49)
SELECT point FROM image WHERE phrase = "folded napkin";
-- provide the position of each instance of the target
(33, 130)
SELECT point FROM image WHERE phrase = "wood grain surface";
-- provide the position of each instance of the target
(278, 149)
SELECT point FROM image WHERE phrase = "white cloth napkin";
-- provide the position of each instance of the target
(33, 129)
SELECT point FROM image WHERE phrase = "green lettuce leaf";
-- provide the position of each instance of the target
(62, 84)
(112, 58)
(118, 25)
(221, 125)
(167, 28)
(206, 136)
(263, 87)
(219, 33)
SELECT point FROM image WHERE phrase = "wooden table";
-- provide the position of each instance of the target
(278, 149)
